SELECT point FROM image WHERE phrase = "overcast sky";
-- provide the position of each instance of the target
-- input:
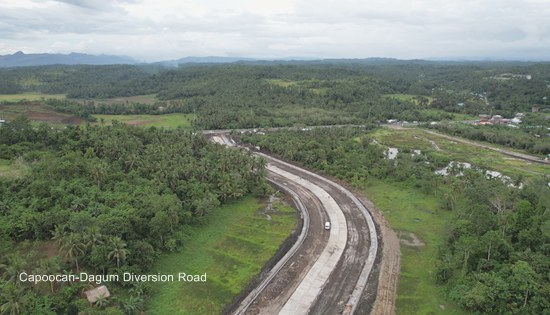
(152, 30)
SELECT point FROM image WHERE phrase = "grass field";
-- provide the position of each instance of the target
(410, 210)
(169, 121)
(281, 82)
(456, 116)
(28, 97)
(232, 248)
(408, 97)
(413, 138)
(11, 169)
(290, 83)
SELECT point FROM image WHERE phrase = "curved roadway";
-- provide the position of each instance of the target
(326, 272)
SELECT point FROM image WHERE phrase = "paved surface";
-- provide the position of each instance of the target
(310, 287)
(332, 272)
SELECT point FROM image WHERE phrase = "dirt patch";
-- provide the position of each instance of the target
(53, 117)
(434, 145)
(41, 250)
(37, 112)
(141, 99)
(390, 264)
(409, 239)
(47, 250)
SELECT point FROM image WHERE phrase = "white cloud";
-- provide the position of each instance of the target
(160, 29)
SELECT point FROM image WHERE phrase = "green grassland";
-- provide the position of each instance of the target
(32, 96)
(303, 83)
(281, 82)
(169, 121)
(6, 169)
(12, 169)
(232, 248)
(413, 99)
(142, 99)
(456, 116)
(409, 210)
(408, 97)
(418, 139)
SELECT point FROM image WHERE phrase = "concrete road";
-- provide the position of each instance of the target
(332, 271)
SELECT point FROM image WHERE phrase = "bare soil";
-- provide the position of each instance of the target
(410, 239)
(37, 112)
(53, 117)
(390, 262)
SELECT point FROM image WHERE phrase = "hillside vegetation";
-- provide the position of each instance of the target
(112, 198)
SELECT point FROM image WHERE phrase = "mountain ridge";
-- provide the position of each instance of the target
(20, 59)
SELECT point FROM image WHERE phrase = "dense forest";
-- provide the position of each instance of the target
(496, 256)
(245, 95)
(112, 198)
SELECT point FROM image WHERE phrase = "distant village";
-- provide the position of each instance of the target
(499, 120)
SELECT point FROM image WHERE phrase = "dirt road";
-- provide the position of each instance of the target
(333, 272)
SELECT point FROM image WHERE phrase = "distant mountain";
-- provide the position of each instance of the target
(20, 59)
(210, 59)
(285, 60)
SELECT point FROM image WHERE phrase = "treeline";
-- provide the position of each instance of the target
(112, 198)
(496, 257)
(252, 95)
(532, 139)
(77, 81)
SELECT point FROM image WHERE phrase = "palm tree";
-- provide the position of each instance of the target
(73, 248)
(48, 267)
(118, 250)
(132, 305)
(12, 269)
(59, 234)
(93, 237)
(101, 301)
(14, 297)
(99, 172)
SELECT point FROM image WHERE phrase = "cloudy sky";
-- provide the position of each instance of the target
(152, 30)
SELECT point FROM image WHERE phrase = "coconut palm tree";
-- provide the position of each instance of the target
(60, 234)
(12, 268)
(93, 237)
(14, 297)
(74, 248)
(101, 301)
(118, 250)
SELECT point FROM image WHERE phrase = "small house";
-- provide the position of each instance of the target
(96, 293)
(484, 118)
